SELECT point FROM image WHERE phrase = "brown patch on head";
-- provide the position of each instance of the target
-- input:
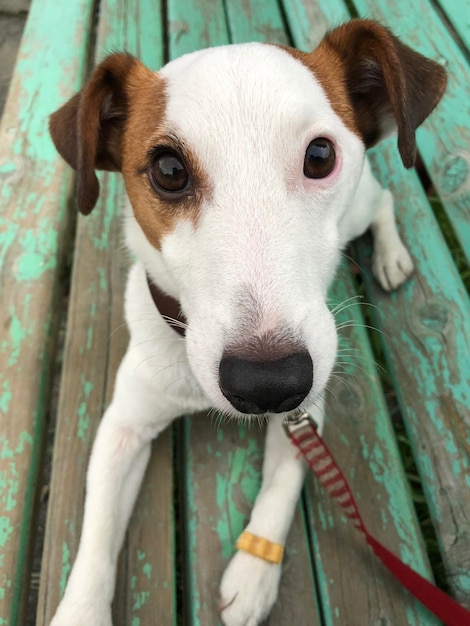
(146, 133)
(115, 123)
(375, 83)
(329, 70)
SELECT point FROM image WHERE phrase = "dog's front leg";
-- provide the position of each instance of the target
(250, 584)
(117, 465)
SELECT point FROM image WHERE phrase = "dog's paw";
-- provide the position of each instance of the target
(81, 613)
(248, 590)
(391, 265)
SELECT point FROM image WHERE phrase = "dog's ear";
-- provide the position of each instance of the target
(87, 131)
(391, 87)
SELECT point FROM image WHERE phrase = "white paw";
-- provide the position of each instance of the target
(248, 590)
(391, 264)
(78, 612)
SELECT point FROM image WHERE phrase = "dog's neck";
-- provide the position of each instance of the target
(168, 307)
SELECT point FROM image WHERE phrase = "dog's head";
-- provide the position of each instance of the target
(239, 163)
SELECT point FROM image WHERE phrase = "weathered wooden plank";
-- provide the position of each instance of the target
(34, 224)
(86, 380)
(458, 12)
(400, 528)
(308, 21)
(427, 341)
(360, 435)
(358, 427)
(444, 138)
(96, 340)
(193, 25)
(426, 326)
(145, 590)
(222, 480)
(256, 21)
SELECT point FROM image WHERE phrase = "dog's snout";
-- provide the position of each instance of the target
(266, 386)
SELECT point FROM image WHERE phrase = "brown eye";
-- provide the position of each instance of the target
(167, 173)
(320, 158)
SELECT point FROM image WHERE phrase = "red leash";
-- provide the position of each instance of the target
(304, 435)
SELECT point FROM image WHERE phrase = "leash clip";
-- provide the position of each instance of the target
(292, 422)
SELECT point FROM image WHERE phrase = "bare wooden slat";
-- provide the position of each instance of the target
(96, 340)
(34, 226)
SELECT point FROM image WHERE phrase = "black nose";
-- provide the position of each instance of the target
(266, 387)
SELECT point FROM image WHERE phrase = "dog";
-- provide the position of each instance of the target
(246, 177)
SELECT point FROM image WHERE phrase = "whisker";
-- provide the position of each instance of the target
(344, 304)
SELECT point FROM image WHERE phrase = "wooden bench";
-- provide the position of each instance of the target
(61, 339)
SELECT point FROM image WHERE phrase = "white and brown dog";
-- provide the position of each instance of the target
(246, 176)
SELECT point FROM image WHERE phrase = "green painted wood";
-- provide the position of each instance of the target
(458, 12)
(427, 343)
(369, 436)
(222, 480)
(256, 21)
(193, 25)
(34, 226)
(360, 435)
(308, 21)
(96, 340)
(444, 138)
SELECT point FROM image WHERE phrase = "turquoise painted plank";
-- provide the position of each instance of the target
(96, 340)
(193, 25)
(307, 24)
(444, 138)
(256, 21)
(360, 435)
(309, 20)
(133, 26)
(427, 343)
(223, 475)
(458, 12)
(34, 223)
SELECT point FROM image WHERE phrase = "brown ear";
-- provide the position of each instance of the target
(87, 130)
(390, 85)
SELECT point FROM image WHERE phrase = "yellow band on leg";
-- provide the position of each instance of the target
(261, 547)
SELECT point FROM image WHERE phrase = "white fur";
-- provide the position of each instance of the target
(248, 112)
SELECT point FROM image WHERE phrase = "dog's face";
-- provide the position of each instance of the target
(239, 164)
(266, 178)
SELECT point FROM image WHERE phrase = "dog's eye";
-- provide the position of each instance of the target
(167, 172)
(319, 159)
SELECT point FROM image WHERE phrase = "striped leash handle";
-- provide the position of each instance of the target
(304, 435)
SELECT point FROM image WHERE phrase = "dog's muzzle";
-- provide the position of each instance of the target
(266, 387)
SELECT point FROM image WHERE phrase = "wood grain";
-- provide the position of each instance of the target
(222, 479)
(34, 231)
(96, 341)
(427, 342)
